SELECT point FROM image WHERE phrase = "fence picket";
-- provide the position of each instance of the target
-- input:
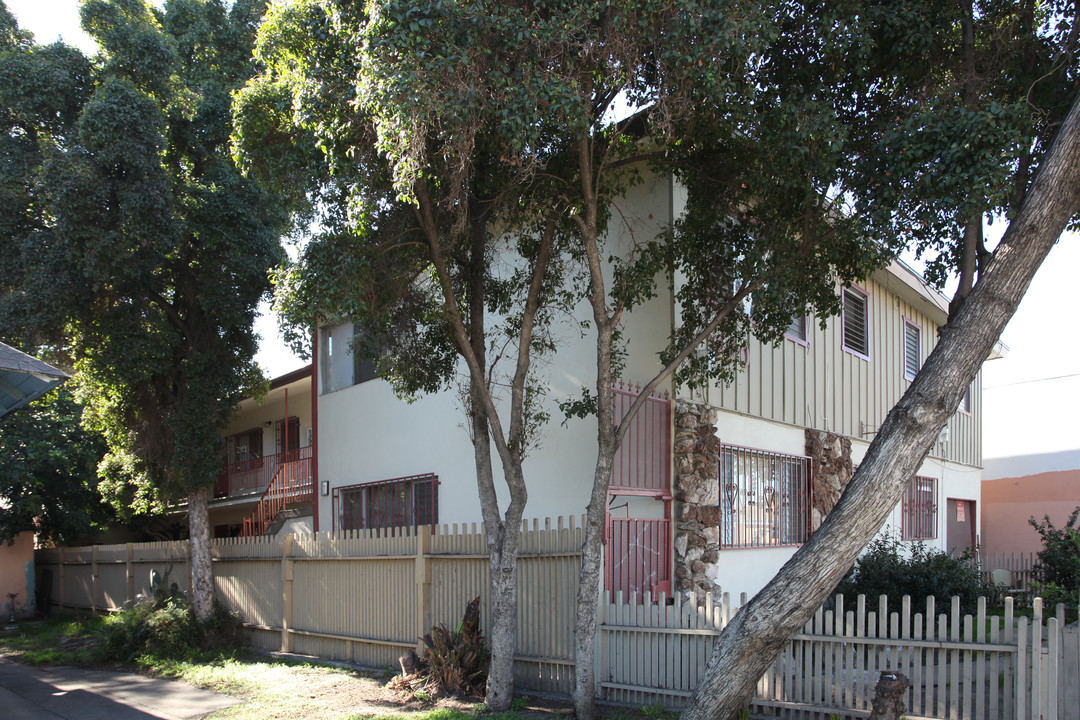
(1053, 668)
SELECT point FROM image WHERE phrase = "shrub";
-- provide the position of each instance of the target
(166, 629)
(1057, 573)
(890, 567)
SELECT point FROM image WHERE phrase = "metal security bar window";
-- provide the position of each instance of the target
(919, 508)
(764, 498)
(401, 502)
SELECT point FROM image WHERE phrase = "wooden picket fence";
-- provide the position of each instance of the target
(960, 666)
(1020, 565)
(366, 597)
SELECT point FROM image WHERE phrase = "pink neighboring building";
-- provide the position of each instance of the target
(1017, 488)
(17, 576)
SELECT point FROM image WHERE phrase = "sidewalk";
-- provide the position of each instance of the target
(65, 693)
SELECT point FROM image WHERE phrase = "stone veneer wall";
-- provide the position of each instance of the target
(697, 491)
(697, 498)
(830, 459)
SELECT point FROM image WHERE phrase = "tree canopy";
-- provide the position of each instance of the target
(135, 243)
(814, 140)
(48, 472)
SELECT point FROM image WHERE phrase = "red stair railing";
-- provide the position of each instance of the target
(291, 485)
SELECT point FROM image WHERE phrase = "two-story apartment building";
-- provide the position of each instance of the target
(270, 462)
(712, 490)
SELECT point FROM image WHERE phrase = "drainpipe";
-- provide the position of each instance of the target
(315, 430)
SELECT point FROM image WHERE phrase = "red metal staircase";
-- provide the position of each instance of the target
(290, 486)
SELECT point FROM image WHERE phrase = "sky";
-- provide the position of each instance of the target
(1030, 396)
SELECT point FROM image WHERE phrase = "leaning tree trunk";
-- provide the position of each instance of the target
(202, 576)
(761, 629)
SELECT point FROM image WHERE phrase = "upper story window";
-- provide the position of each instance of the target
(246, 446)
(856, 321)
(764, 498)
(912, 349)
(797, 331)
(363, 368)
(919, 509)
(339, 366)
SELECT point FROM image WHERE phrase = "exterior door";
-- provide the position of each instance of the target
(287, 436)
(960, 533)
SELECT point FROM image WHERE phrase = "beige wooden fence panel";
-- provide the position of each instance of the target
(1069, 682)
(354, 597)
(247, 580)
(361, 596)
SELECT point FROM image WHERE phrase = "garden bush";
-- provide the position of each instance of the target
(894, 568)
(1057, 573)
(166, 629)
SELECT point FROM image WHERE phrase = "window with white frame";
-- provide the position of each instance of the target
(965, 402)
(764, 498)
(919, 509)
(856, 322)
(340, 366)
(400, 502)
(797, 330)
(912, 349)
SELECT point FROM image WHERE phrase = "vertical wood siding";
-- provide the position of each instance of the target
(824, 387)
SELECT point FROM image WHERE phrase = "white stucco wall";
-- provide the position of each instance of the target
(366, 434)
(747, 570)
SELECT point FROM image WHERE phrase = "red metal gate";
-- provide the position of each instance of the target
(637, 556)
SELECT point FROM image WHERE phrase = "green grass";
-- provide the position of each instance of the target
(268, 689)
(59, 640)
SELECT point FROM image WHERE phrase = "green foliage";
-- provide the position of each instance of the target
(894, 568)
(56, 640)
(136, 247)
(454, 661)
(48, 472)
(478, 108)
(656, 712)
(166, 629)
(1057, 573)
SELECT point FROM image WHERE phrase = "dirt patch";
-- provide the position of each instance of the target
(319, 692)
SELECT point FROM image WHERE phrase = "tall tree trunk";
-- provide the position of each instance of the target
(503, 553)
(202, 574)
(592, 551)
(588, 595)
(760, 630)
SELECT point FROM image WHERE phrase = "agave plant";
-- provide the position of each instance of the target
(454, 662)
